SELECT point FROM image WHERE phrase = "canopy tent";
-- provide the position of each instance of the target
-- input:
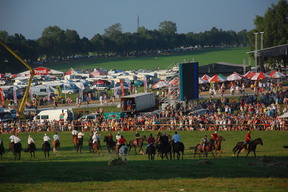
(71, 72)
(174, 82)
(277, 75)
(234, 77)
(249, 74)
(103, 82)
(260, 76)
(96, 73)
(216, 79)
(42, 71)
(205, 77)
(160, 84)
(202, 81)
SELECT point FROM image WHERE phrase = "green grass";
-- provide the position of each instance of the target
(68, 171)
(204, 57)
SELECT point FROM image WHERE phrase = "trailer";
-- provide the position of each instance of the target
(138, 102)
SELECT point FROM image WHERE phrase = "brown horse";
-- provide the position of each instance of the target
(251, 147)
(135, 144)
(74, 139)
(31, 149)
(56, 146)
(96, 148)
(163, 146)
(79, 144)
(206, 149)
(217, 145)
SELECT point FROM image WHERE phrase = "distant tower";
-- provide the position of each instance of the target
(138, 22)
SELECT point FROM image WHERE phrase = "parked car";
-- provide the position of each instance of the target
(91, 116)
(100, 87)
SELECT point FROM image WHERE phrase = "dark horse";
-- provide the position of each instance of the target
(2, 150)
(217, 145)
(79, 144)
(31, 149)
(46, 148)
(74, 139)
(96, 148)
(177, 148)
(56, 146)
(251, 147)
(17, 148)
(110, 144)
(206, 149)
(151, 151)
(135, 144)
(163, 146)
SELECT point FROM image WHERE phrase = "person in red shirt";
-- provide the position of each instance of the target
(150, 140)
(214, 138)
(122, 141)
(248, 140)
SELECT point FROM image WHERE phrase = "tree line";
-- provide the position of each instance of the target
(56, 44)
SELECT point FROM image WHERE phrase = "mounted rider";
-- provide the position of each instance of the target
(122, 141)
(80, 136)
(203, 142)
(214, 139)
(248, 140)
(137, 136)
(150, 140)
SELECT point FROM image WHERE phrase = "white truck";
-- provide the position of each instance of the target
(41, 90)
(138, 102)
(56, 114)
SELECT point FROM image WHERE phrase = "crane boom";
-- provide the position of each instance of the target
(32, 73)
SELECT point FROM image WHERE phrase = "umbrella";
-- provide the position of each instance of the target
(260, 76)
(174, 82)
(206, 77)
(216, 79)
(249, 74)
(277, 75)
(234, 77)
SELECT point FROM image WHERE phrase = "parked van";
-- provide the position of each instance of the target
(56, 114)
(41, 90)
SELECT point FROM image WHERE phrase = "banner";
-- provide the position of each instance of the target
(145, 84)
(15, 93)
(2, 95)
(122, 88)
(129, 84)
(49, 93)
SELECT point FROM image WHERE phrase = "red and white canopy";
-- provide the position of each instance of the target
(160, 84)
(260, 76)
(206, 77)
(277, 75)
(234, 77)
(216, 79)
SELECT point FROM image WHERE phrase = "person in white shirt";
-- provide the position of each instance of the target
(74, 132)
(46, 138)
(95, 138)
(30, 140)
(56, 137)
(118, 136)
(16, 139)
(80, 135)
(12, 138)
(176, 138)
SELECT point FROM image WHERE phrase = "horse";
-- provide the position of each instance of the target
(17, 148)
(151, 151)
(79, 144)
(46, 148)
(123, 152)
(74, 139)
(110, 144)
(31, 148)
(96, 148)
(2, 150)
(56, 146)
(206, 149)
(163, 146)
(251, 147)
(135, 144)
(217, 145)
(177, 148)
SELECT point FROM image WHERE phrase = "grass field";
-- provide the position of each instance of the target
(204, 57)
(68, 171)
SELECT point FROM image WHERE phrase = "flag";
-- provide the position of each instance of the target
(49, 93)
(122, 87)
(15, 93)
(145, 84)
(2, 95)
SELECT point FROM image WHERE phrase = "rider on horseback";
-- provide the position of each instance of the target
(122, 141)
(248, 140)
(80, 136)
(137, 135)
(176, 138)
(11, 140)
(150, 140)
(46, 138)
(16, 139)
(214, 138)
(56, 137)
(30, 140)
(204, 142)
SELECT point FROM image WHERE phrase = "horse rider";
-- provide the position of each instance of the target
(214, 138)
(46, 138)
(17, 139)
(248, 140)
(29, 140)
(118, 137)
(56, 137)
(176, 138)
(11, 140)
(159, 134)
(95, 138)
(150, 140)
(74, 132)
(204, 142)
(110, 136)
(122, 141)
(137, 135)
(80, 136)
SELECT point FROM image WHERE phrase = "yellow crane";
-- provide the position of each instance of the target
(32, 73)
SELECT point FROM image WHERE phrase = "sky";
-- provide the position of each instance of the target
(89, 17)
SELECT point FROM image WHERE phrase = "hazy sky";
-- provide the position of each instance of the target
(89, 17)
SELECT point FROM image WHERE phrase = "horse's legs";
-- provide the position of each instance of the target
(247, 154)
(254, 153)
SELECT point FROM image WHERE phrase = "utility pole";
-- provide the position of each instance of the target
(255, 52)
